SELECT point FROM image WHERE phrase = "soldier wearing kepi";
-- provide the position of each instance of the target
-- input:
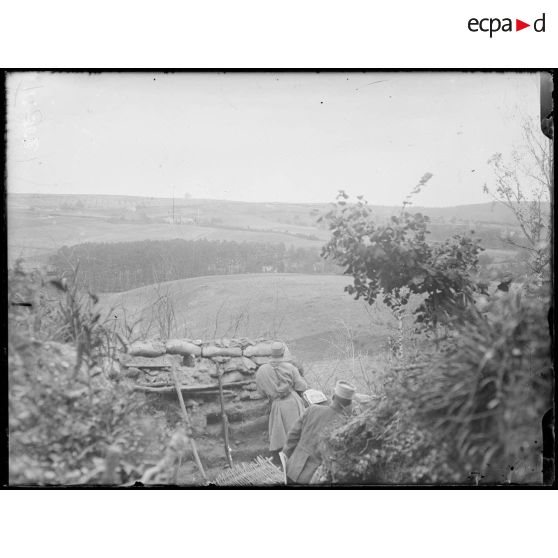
(281, 383)
(302, 447)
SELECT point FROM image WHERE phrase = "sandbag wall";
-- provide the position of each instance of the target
(197, 365)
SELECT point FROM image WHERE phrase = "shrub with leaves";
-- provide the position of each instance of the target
(387, 258)
(385, 446)
(472, 408)
(491, 386)
(72, 418)
(62, 426)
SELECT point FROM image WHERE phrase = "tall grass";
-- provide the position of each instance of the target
(469, 412)
(70, 410)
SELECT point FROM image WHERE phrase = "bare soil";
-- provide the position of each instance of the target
(248, 438)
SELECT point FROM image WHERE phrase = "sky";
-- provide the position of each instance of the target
(273, 137)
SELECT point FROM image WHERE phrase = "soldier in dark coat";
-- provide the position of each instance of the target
(281, 383)
(302, 446)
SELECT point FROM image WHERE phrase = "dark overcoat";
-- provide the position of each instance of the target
(302, 448)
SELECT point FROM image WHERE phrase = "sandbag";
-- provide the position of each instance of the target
(132, 372)
(240, 364)
(221, 359)
(249, 363)
(147, 349)
(209, 351)
(264, 350)
(163, 361)
(232, 377)
(227, 342)
(206, 366)
(259, 350)
(182, 347)
(260, 360)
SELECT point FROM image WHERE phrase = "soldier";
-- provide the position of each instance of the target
(280, 381)
(302, 447)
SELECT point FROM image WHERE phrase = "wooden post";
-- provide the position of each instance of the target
(187, 422)
(224, 416)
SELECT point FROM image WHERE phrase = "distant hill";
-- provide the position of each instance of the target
(493, 213)
(104, 205)
(39, 224)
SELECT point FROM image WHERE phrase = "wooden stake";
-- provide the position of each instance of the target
(192, 391)
(188, 423)
(224, 416)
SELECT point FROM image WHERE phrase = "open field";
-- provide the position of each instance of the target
(41, 224)
(34, 237)
(310, 312)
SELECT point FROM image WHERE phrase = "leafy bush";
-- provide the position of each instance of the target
(385, 446)
(474, 407)
(70, 413)
(57, 310)
(62, 426)
(489, 389)
(387, 258)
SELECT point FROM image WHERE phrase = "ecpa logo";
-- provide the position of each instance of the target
(494, 24)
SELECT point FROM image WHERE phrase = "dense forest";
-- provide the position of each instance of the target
(120, 266)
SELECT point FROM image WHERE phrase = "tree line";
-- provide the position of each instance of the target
(120, 266)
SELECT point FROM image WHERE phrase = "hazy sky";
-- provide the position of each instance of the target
(296, 137)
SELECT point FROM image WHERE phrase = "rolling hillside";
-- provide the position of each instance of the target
(310, 312)
(34, 236)
(38, 225)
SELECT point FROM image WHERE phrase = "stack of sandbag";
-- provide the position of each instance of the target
(197, 365)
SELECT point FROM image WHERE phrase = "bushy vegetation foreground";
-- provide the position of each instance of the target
(72, 418)
(468, 404)
(468, 412)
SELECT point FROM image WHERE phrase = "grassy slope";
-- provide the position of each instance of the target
(310, 312)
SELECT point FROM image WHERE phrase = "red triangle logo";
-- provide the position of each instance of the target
(519, 25)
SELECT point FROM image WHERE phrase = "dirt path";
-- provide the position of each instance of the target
(212, 456)
(248, 439)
